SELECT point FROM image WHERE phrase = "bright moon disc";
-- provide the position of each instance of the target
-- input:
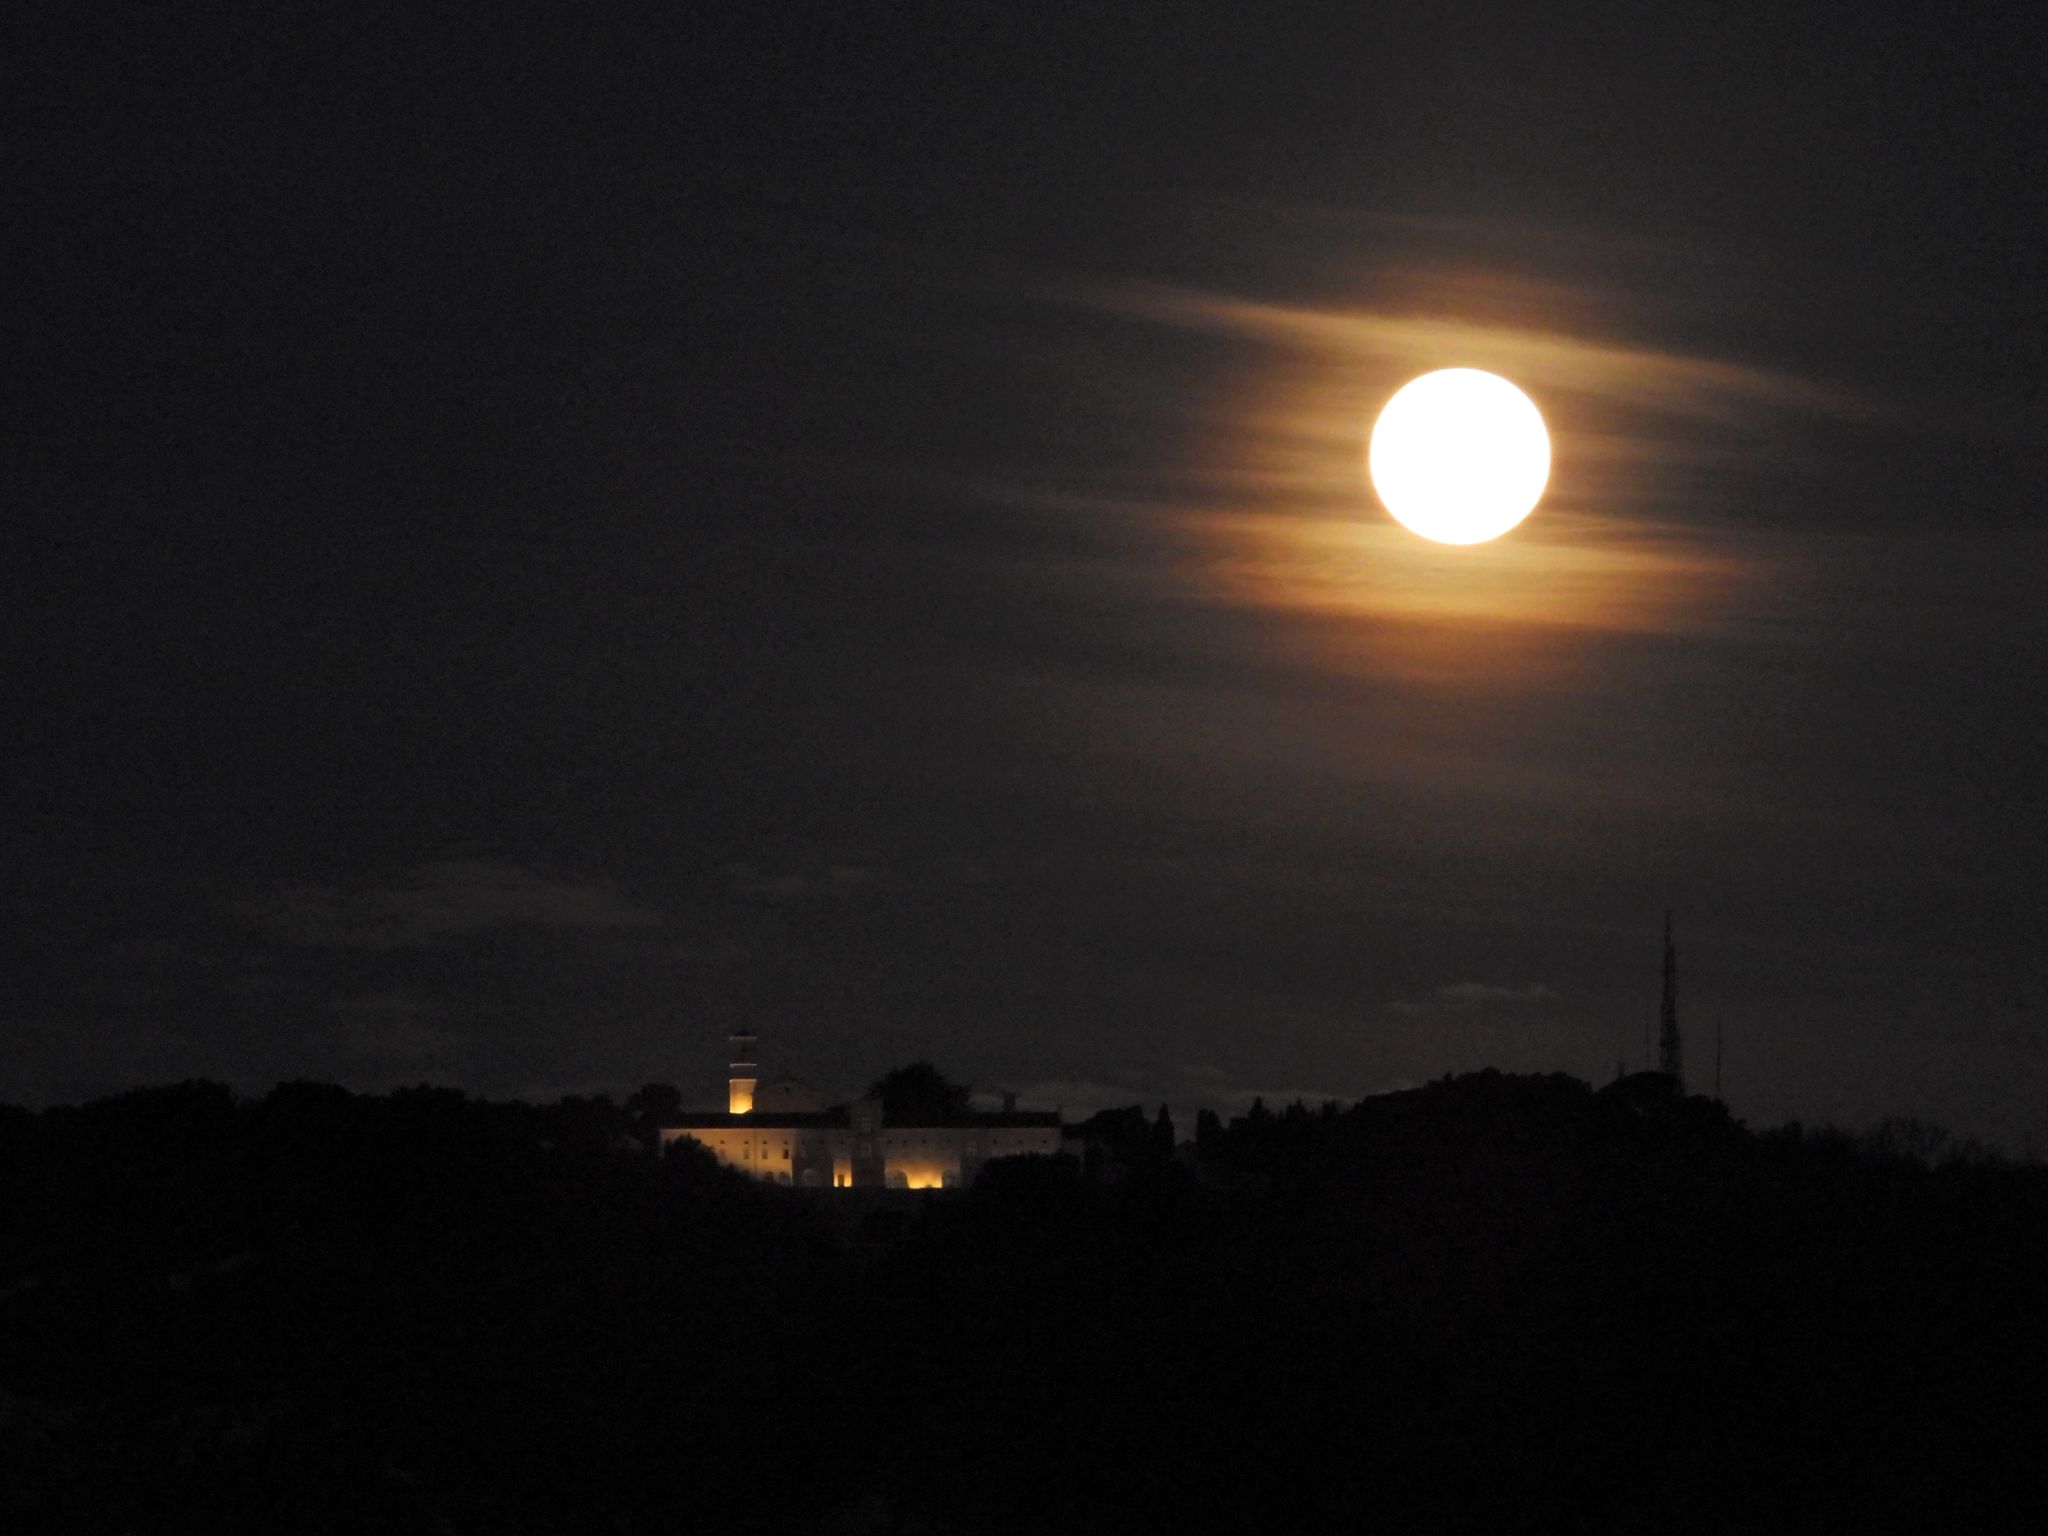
(1459, 456)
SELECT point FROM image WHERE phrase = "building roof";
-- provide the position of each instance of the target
(837, 1119)
(767, 1120)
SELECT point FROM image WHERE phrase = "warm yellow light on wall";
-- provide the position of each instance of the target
(921, 1172)
(740, 1095)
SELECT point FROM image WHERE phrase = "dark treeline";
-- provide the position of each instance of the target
(1491, 1304)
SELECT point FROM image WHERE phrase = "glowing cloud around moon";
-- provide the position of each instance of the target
(1459, 456)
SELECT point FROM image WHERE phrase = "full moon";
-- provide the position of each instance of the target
(1459, 456)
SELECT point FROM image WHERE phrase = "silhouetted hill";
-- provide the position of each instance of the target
(1491, 1303)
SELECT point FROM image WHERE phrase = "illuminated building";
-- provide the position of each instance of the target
(741, 1072)
(782, 1131)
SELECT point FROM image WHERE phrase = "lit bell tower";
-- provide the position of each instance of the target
(741, 1073)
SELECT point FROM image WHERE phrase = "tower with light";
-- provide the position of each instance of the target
(742, 1074)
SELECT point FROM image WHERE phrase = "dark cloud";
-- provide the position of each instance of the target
(830, 882)
(1479, 994)
(395, 1029)
(435, 904)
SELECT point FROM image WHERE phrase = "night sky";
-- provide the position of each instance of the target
(531, 539)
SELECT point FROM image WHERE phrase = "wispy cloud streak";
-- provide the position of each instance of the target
(1655, 453)
(1666, 381)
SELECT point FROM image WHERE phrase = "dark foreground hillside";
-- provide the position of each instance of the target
(1493, 1304)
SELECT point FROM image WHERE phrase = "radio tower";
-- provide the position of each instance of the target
(1670, 1050)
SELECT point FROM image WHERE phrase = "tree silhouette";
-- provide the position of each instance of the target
(1469, 1305)
(1162, 1136)
(652, 1106)
(919, 1094)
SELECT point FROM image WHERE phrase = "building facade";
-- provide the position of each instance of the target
(783, 1132)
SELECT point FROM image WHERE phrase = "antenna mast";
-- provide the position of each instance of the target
(1670, 1049)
